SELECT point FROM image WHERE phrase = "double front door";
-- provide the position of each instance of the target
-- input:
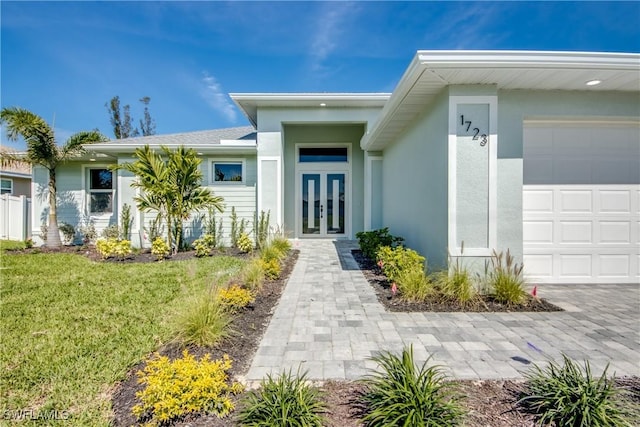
(323, 198)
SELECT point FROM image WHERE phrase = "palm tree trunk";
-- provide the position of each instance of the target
(53, 233)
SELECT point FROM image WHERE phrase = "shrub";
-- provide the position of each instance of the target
(394, 261)
(414, 285)
(456, 283)
(88, 232)
(371, 241)
(262, 229)
(68, 232)
(113, 247)
(244, 243)
(173, 389)
(204, 245)
(281, 244)
(111, 232)
(271, 268)
(506, 279)
(160, 248)
(237, 228)
(285, 401)
(406, 395)
(270, 253)
(253, 274)
(204, 321)
(126, 220)
(568, 395)
(235, 298)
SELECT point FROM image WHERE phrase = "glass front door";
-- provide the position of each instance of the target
(323, 203)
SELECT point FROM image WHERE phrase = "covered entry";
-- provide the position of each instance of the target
(581, 208)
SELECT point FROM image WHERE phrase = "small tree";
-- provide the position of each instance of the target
(42, 150)
(171, 186)
(121, 120)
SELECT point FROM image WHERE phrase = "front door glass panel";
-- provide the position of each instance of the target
(311, 203)
(335, 203)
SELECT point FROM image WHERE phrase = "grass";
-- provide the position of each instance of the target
(71, 328)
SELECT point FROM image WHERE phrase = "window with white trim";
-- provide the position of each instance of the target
(100, 191)
(7, 186)
(227, 171)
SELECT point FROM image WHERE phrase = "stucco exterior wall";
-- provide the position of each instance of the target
(324, 133)
(415, 184)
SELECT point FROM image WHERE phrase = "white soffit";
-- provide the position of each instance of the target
(431, 71)
(250, 102)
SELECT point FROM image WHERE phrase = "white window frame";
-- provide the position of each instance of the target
(10, 192)
(453, 243)
(227, 160)
(86, 184)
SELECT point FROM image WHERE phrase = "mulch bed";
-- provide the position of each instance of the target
(382, 287)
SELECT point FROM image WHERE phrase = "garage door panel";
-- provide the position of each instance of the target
(537, 232)
(575, 265)
(538, 201)
(576, 201)
(575, 232)
(615, 232)
(615, 201)
(539, 265)
(614, 266)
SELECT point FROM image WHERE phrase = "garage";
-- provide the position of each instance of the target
(581, 201)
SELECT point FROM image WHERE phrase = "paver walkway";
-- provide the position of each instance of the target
(329, 322)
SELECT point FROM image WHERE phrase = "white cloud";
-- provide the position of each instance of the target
(212, 93)
(330, 32)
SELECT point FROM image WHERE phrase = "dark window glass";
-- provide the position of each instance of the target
(101, 179)
(329, 154)
(227, 172)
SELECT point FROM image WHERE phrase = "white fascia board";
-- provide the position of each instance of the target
(529, 59)
(225, 145)
(14, 174)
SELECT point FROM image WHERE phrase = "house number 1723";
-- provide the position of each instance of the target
(476, 131)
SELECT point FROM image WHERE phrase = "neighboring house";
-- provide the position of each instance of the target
(474, 151)
(15, 179)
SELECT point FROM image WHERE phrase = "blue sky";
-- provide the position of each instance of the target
(65, 60)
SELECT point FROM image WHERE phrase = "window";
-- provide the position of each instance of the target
(100, 191)
(228, 171)
(7, 186)
(324, 154)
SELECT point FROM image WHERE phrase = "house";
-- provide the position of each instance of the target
(15, 178)
(535, 152)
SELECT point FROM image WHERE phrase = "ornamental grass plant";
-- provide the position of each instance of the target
(404, 394)
(204, 320)
(568, 395)
(284, 401)
(506, 279)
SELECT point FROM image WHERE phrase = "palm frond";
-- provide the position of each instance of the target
(38, 135)
(75, 144)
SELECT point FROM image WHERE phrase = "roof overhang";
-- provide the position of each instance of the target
(224, 147)
(250, 102)
(431, 71)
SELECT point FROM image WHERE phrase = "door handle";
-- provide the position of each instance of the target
(321, 210)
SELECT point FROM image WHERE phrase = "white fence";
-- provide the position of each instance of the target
(15, 217)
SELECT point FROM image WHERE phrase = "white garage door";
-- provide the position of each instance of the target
(581, 202)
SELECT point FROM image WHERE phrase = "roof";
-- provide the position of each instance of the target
(250, 102)
(234, 139)
(18, 169)
(431, 71)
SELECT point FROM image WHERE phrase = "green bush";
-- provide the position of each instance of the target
(160, 248)
(506, 279)
(285, 401)
(270, 253)
(456, 283)
(173, 389)
(204, 245)
(244, 243)
(404, 394)
(235, 298)
(414, 285)
(203, 321)
(262, 229)
(271, 268)
(253, 274)
(113, 247)
(281, 244)
(568, 396)
(111, 232)
(394, 261)
(371, 241)
(68, 232)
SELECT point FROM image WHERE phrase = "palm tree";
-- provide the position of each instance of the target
(42, 150)
(172, 187)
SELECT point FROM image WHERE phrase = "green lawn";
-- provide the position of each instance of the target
(71, 328)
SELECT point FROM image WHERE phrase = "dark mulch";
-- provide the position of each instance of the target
(437, 303)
